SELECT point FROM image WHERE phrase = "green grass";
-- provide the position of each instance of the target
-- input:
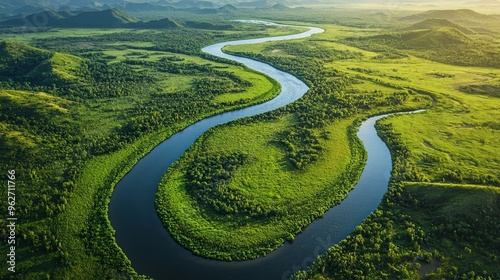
(268, 180)
(78, 240)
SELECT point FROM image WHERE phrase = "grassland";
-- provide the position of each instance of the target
(450, 158)
(454, 142)
(270, 197)
(447, 158)
(48, 135)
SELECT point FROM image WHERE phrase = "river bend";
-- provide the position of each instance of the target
(153, 252)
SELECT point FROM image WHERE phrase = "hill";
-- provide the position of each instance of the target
(436, 38)
(101, 19)
(208, 25)
(466, 15)
(110, 18)
(40, 19)
(425, 39)
(20, 62)
(160, 23)
(434, 23)
(280, 7)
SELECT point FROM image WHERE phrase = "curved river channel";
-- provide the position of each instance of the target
(153, 252)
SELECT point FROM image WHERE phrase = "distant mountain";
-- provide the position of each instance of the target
(156, 24)
(252, 4)
(146, 7)
(280, 7)
(227, 8)
(41, 19)
(101, 19)
(28, 6)
(434, 23)
(111, 18)
(453, 15)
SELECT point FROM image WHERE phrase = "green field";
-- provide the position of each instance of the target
(79, 107)
(72, 134)
(454, 142)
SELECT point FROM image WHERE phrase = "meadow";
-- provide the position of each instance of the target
(84, 105)
(72, 135)
(454, 143)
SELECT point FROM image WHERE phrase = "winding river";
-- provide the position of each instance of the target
(153, 252)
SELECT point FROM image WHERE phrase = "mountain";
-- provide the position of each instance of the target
(101, 19)
(111, 18)
(41, 19)
(208, 25)
(433, 23)
(19, 62)
(156, 24)
(145, 7)
(435, 38)
(280, 7)
(252, 4)
(227, 8)
(28, 6)
(453, 15)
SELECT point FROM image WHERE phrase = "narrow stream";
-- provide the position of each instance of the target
(153, 252)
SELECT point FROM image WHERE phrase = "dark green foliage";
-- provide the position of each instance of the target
(491, 90)
(17, 60)
(208, 182)
(208, 25)
(303, 147)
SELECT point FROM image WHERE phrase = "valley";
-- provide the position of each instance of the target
(82, 103)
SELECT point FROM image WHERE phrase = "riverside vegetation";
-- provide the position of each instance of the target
(246, 187)
(83, 105)
(80, 106)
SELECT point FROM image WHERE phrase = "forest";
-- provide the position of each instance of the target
(80, 106)
(66, 107)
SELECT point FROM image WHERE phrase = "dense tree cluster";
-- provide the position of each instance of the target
(208, 182)
(303, 147)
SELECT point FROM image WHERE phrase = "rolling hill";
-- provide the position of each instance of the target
(463, 15)
(434, 23)
(154, 24)
(20, 62)
(435, 38)
(101, 19)
(40, 19)
(110, 18)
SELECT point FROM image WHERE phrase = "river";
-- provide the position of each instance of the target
(153, 252)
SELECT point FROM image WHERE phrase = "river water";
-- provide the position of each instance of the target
(153, 252)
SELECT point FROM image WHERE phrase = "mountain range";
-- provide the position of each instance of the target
(25, 7)
(110, 18)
